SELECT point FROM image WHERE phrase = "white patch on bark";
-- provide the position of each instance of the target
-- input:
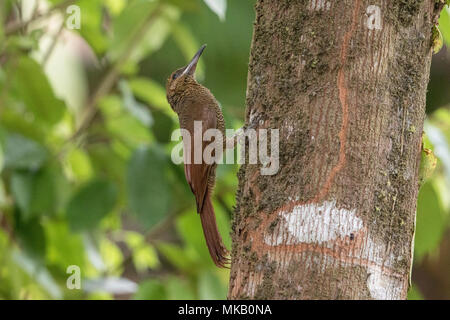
(316, 223)
(383, 286)
(324, 224)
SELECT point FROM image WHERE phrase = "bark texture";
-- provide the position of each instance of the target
(345, 83)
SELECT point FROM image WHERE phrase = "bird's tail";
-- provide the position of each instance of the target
(217, 250)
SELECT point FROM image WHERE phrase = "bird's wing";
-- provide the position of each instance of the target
(197, 175)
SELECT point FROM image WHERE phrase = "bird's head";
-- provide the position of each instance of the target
(180, 79)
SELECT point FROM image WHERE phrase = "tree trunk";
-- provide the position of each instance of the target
(345, 83)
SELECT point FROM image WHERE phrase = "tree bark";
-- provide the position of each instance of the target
(345, 83)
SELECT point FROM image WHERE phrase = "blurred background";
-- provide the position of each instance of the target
(85, 145)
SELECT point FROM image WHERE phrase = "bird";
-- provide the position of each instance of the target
(191, 101)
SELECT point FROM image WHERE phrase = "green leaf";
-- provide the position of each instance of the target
(91, 24)
(144, 255)
(190, 228)
(148, 190)
(179, 289)
(122, 124)
(115, 6)
(152, 93)
(150, 290)
(44, 193)
(136, 109)
(429, 223)
(131, 21)
(13, 120)
(23, 153)
(219, 7)
(223, 222)
(63, 248)
(176, 256)
(17, 43)
(414, 293)
(4, 201)
(107, 161)
(438, 141)
(38, 273)
(79, 164)
(111, 255)
(427, 165)
(444, 25)
(163, 126)
(210, 287)
(31, 236)
(127, 24)
(21, 188)
(90, 204)
(2, 31)
(30, 85)
(40, 192)
(2, 77)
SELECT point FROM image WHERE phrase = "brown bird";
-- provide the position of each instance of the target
(193, 102)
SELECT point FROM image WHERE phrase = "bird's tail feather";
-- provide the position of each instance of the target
(217, 249)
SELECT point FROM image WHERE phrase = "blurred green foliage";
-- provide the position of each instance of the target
(86, 175)
(85, 132)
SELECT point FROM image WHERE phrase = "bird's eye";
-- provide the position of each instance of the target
(175, 75)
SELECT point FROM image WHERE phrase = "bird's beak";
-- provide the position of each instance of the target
(190, 68)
